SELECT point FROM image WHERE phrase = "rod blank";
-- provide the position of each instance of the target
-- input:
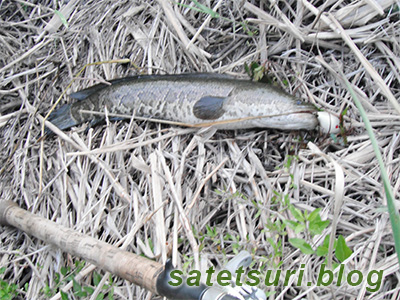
(129, 266)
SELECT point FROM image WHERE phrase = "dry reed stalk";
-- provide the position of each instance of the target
(195, 194)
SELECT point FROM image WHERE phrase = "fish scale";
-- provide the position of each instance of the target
(193, 100)
(168, 100)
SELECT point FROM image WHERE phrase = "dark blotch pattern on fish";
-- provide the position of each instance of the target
(209, 108)
(192, 99)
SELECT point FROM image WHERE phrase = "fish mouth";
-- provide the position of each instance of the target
(299, 120)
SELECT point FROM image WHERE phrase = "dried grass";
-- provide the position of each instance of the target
(151, 188)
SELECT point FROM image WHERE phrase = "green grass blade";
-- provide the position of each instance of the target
(206, 9)
(62, 18)
(393, 213)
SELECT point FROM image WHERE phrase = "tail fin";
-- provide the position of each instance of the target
(62, 118)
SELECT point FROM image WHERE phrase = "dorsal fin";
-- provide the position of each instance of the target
(209, 108)
(85, 93)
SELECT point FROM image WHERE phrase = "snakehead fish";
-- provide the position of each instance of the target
(192, 100)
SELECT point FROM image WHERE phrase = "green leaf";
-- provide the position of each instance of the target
(342, 251)
(314, 214)
(317, 227)
(271, 242)
(100, 296)
(64, 271)
(296, 213)
(81, 294)
(79, 266)
(296, 242)
(291, 224)
(211, 232)
(254, 65)
(76, 286)
(300, 228)
(326, 241)
(335, 265)
(111, 294)
(57, 277)
(286, 200)
(7, 291)
(247, 70)
(64, 295)
(322, 250)
(258, 73)
(88, 290)
(275, 245)
(47, 291)
(96, 278)
(302, 245)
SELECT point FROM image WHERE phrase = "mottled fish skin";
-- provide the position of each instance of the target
(191, 99)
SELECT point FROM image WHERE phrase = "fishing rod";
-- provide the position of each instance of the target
(151, 275)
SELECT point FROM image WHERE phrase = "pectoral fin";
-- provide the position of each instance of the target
(209, 108)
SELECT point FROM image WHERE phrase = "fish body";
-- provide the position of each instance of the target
(192, 100)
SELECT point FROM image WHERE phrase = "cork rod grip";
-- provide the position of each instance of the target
(129, 266)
